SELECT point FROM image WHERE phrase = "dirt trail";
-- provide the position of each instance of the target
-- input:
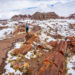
(5, 46)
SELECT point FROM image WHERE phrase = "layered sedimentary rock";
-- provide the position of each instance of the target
(43, 16)
(19, 17)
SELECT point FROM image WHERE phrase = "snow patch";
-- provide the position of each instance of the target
(71, 63)
(30, 55)
(9, 69)
(5, 32)
(18, 45)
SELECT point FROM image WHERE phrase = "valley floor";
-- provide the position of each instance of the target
(39, 52)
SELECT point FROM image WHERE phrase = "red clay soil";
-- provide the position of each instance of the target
(5, 46)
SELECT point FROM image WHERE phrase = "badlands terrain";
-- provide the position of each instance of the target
(47, 49)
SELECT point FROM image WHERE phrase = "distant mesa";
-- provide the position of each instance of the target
(42, 16)
(19, 17)
(3, 22)
(72, 16)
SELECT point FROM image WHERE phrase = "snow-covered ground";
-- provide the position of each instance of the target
(61, 26)
(71, 65)
(5, 32)
(52, 26)
(30, 55)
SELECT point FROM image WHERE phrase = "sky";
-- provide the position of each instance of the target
(9, 8)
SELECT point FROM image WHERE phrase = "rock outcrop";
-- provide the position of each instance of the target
(36, 16)
(19, 17)
(44, 16)
(41, 16)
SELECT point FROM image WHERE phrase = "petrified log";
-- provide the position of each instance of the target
(33, 38)
(23, 50)
(54, 64)
(27, 47)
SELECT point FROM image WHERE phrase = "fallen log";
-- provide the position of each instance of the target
(54, 64)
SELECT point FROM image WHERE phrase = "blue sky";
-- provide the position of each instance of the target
(8, 8)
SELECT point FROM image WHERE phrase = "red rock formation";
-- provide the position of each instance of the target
(19, 17)
(43, 16)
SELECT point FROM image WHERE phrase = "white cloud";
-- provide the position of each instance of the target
(9, 8)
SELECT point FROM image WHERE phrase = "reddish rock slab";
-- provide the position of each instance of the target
(62, 46)
(52, 43)
(33, 38)
(22, 50)
(54, 64)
